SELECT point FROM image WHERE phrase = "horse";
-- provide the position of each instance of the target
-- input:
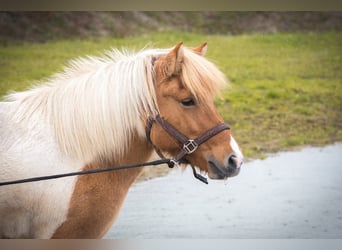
(94, 114)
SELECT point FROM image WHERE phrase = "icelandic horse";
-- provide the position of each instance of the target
(94, 114)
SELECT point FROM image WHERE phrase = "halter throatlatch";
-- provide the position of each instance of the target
(188, 145)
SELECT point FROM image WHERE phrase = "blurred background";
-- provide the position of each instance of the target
(44, 26)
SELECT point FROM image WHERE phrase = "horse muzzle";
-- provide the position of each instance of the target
(230, 168)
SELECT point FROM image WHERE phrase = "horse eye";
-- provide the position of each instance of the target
(188, 102)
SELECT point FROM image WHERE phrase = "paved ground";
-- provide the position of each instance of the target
(288, 195)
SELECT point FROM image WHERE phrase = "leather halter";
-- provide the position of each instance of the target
(188, 145)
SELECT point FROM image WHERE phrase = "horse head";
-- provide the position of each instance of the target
(185, 87)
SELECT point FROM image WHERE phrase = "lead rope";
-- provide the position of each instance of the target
(92, 171)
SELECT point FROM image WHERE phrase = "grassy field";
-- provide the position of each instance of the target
(285, 91)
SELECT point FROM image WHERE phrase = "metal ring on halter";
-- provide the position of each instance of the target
(172, 163)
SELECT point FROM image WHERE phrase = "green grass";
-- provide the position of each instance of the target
(285, 92)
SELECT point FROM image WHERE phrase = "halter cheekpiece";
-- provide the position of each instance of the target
(188, 145)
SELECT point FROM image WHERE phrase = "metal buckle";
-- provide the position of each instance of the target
(190, 146)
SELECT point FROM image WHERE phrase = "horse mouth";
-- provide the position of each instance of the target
(219, 172)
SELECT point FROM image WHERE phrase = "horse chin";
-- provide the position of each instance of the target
(214, 176)
(220, 172)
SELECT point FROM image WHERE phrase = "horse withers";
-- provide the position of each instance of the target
(95, 114)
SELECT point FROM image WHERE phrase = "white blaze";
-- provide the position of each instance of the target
(236, 148)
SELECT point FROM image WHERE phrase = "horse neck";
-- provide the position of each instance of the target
(94, 112)
(99, 129)
(138, 151)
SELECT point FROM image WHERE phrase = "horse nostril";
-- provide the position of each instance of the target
(234, 162)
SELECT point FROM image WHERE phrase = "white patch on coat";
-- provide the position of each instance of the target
(235, 147)
(32, 210)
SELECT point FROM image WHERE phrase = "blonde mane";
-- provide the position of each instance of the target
(201, 76)
(96, 105)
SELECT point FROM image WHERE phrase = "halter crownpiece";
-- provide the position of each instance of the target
(189, 145)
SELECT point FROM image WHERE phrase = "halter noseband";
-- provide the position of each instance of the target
(188, 145)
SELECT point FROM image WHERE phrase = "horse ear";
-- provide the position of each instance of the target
(202, 49)
(174, 60)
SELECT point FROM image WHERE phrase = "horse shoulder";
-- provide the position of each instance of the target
(95, 203)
